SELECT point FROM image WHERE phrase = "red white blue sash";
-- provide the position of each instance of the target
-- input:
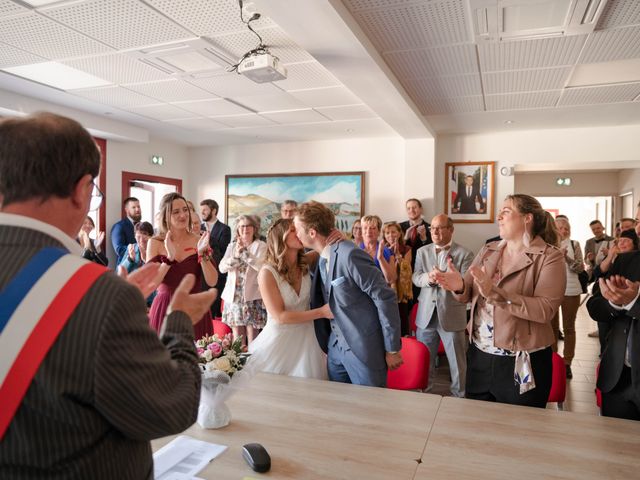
(34, 308)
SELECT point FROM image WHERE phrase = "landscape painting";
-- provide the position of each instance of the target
(262, 195)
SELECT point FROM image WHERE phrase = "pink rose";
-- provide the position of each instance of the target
(215, 348)
(200, 351)
(226, 343)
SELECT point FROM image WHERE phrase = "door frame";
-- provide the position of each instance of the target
(128, 177)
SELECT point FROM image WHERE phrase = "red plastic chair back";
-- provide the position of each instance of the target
(220, 329)
(598, 392)
(412, 319)
(414, 372)
(558, 380)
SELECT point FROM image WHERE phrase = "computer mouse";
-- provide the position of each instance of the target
(257, 457)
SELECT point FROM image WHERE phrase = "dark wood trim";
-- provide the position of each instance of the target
(127, 177)
(102, 183)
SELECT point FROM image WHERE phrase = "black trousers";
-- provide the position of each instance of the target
(621, 401)
(490, 377)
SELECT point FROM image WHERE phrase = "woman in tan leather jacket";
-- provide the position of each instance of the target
(515, 287)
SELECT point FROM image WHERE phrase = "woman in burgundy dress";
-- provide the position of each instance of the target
(185, 252)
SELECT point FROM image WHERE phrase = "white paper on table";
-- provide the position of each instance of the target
(183, 457)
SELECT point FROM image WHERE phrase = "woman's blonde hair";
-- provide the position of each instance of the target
(165, 212)
(277, 248)
(372, 219)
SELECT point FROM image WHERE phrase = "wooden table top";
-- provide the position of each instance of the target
(317, 429)
(474, 439)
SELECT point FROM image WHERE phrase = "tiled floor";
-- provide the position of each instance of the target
(580, 390)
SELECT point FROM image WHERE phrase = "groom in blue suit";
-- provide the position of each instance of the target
(362, 340)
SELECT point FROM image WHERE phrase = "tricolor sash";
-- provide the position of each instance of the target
(34, 308)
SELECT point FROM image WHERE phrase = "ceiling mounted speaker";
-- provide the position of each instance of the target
(506, 171)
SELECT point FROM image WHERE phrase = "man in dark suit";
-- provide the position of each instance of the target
(219, 239)
(364, 336)
(122, 232)
(416, 235)
(469, 199)
(107, 384)
(618, 305)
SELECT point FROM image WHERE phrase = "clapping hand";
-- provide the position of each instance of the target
(170, 246)
(99, 239)
(131, 250)
(618, 289)
(432, 275)
(451, 279)
(335, 236)
(203, 244)
(193, 304)
(146, 278)
(422, 232)
(380, 252)
(482, 280)
(85, 242)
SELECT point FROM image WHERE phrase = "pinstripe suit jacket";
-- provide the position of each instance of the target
(105, 389)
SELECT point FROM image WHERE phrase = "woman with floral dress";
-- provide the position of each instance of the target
(244, 310)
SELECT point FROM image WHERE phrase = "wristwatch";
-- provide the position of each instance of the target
(392, 353)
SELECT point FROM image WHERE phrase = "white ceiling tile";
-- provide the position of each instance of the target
(231, 85)
(618, 13)
(12, 57)
(119, 23)
(207, 17)
(9, 8)
(523, 54)
(444, 87)
(348, 112)
(205, 124)
(616, 44)
(296, 116)
(326, 97)
(235, 45)
(161, 112)
(525, 80)
(603, 94)
(307, 75)
(248, 120)
(433, 62)
(114, 96)
(521, 101)
(417, 24)
(210, 108)
(47, 38)
(433, 106)
(267, 103)
(117, 68)
(172, 90)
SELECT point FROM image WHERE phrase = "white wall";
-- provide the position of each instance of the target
(568, 148)
(629, 181)
(544, 184)
(394, 169)
(134, 157)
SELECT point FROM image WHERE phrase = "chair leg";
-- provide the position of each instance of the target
(560, 406)
(437, 362)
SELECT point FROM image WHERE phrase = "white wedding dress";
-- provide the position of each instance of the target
(289, 349)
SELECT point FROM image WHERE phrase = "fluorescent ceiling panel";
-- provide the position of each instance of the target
(620, 71)
(57, 75)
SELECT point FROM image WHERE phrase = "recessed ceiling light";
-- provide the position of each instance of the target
(57, 75)
(350, 130)
(509, 122)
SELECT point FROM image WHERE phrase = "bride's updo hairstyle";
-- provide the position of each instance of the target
(543, 224)
(277, 247)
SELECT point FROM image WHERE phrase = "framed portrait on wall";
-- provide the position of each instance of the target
(470, 191)
(263, 195)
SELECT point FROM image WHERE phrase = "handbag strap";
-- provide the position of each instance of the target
(34, 308)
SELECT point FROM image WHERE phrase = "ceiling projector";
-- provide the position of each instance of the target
(262, 68)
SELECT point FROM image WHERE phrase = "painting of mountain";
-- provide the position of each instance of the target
(262, 195)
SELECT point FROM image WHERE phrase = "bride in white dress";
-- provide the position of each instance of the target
(288, 344)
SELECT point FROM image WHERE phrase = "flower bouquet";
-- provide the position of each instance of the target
(221, 361)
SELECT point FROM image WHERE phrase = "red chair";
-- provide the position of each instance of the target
(558, 381)
(220, 329)
(412, 319)
(598, 392)
(414, 372)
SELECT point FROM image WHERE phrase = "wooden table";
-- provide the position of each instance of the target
(482, 440)
(322, 430)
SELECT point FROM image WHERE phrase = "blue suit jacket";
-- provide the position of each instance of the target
(364, 307)
(121, 236)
